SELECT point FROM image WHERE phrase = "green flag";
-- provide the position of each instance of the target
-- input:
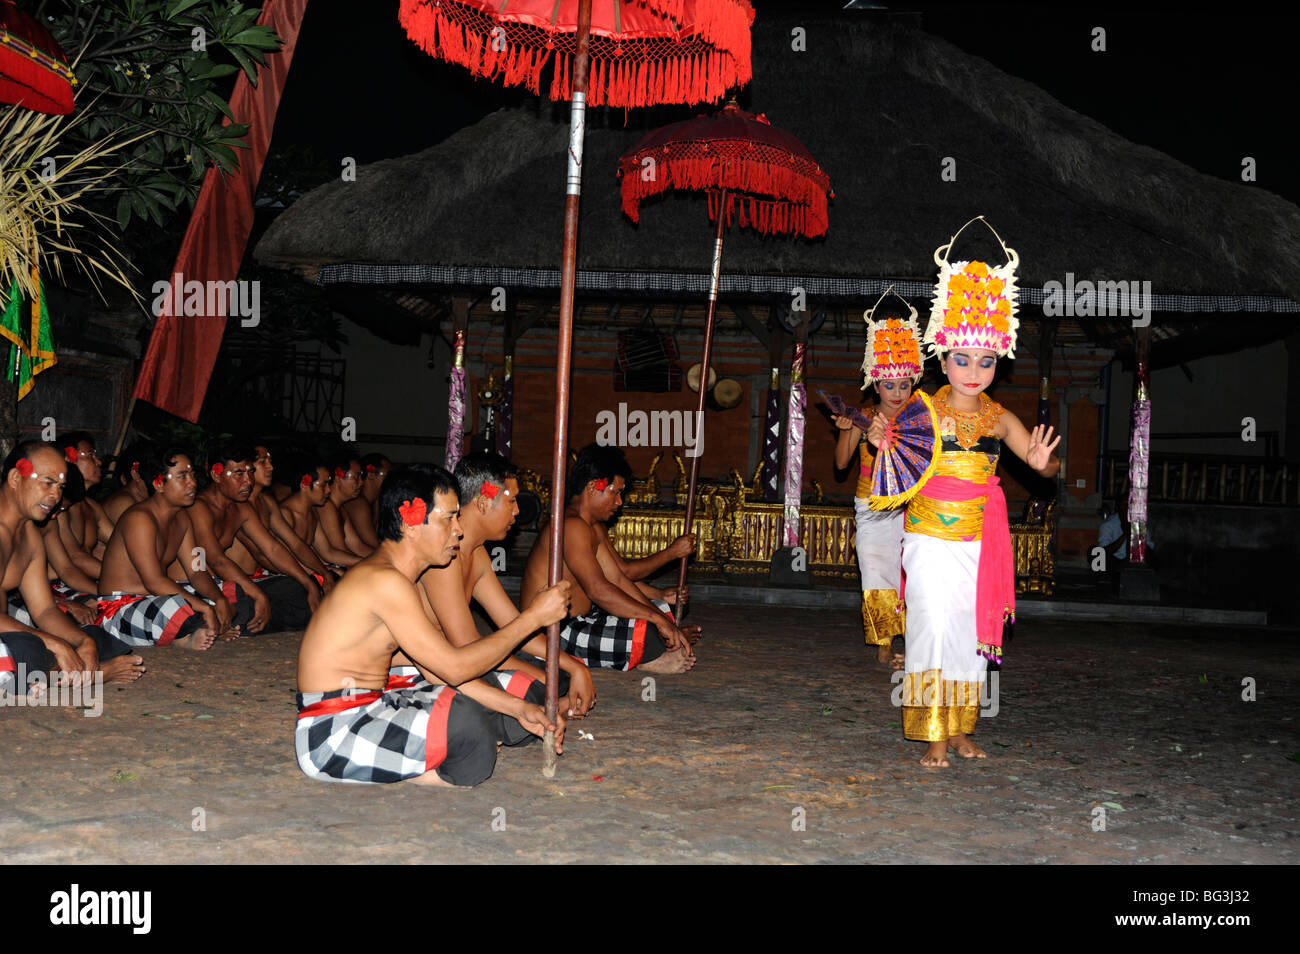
(26, 357)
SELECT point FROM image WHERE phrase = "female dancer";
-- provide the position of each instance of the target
(956, 542)
(892, 365)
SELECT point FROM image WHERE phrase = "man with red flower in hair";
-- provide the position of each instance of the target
(441, 726)
(140, 601)
(31, 484)
(615, 625)
(488, 490)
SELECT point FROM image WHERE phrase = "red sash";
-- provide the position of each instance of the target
(106, 608)
(339, 703)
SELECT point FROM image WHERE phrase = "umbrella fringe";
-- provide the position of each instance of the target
(617, 78)
(766, 197)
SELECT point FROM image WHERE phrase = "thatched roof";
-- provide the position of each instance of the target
(880, 106)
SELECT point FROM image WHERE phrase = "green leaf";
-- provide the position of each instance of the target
(1113, 805)
(224, 157)
(217, 72)
(246, 62)
(257, 37)
(180, 6)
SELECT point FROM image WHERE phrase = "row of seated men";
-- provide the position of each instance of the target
(251, 557)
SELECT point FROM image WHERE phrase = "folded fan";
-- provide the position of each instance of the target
(840, 409)
(907, 456)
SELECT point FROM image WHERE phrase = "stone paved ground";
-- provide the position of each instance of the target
(781, 721)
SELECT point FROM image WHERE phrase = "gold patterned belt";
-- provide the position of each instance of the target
(967, 465)
(945, 519)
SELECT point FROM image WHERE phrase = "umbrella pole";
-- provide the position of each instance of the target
(568, 281)
(704, 387)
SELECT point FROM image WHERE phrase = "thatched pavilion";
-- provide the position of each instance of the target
(917, 137)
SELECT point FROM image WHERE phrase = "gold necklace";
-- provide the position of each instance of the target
(968, 426)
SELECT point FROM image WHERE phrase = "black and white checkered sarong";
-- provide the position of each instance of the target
(144, 620)
(352, 735)
(601, 639)
(158, 620)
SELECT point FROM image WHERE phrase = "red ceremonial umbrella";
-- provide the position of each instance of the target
(641, 52)
(644, 52)
(34, 72)
(753, 172)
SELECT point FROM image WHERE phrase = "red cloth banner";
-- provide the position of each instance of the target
(183, 349)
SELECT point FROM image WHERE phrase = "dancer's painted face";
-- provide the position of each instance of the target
(970, 370)
(893, 394)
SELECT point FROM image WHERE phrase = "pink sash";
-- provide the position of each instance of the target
(995, 581)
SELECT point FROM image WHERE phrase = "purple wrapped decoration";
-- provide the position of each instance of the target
(456, 404)
(794, 447)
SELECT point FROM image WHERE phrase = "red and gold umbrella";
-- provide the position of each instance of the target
(755, 173)
(645, 52)
(34, 71)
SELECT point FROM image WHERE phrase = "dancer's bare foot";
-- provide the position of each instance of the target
(201, 638)
(124, 669)
(886, 656)
(233, 633)
(963, 746)
(673, 661)
(936, 755)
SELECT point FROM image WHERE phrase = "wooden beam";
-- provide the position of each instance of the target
(752, 324)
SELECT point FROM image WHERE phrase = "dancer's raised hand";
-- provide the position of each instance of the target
(1041, 446)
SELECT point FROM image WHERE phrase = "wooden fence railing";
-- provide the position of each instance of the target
(1203, 479)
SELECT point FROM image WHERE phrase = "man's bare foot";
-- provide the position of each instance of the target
(124, 669)
(201, 638)
(963, 746)
(886, 656)
(675, 660)
(936, 756)
(434, 779)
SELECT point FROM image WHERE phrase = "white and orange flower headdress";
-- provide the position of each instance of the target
(893, 345)
(974, 303)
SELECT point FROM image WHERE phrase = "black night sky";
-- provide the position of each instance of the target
(1205, 83)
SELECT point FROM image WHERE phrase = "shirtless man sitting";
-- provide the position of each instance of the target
(139, 602)
(335, 523)
(360, 510)
(614, 624)
(131, 488)
(75, 588)
(31, 484)
(271, 512)
(488, 491)
(236, 543)
(85, 522)
(312, 483)
(355, 723)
